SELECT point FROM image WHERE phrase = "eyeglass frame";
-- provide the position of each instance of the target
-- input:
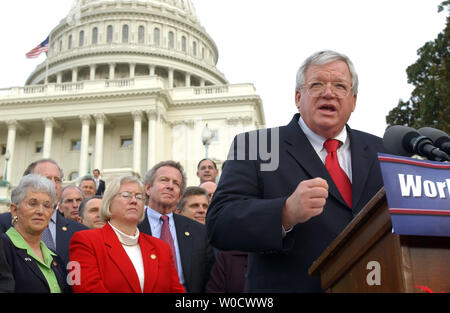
(130, 196)
(325, 86)
(37, 205)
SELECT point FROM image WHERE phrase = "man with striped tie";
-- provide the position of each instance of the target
(193, 256)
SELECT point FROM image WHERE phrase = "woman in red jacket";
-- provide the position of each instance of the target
(116, 257)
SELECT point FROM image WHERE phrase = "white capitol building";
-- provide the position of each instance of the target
(126, 84)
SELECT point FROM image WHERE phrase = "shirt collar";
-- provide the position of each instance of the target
(53, 218)
(20, 243)
(155, 215)
(317, 141)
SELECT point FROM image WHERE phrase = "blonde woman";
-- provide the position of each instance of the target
(117, 257)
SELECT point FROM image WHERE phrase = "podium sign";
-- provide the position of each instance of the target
(418, 195)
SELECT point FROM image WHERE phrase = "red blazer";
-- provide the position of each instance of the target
(106, 267)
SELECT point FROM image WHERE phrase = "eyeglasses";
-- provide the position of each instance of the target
(33, 204)
(126, 195)
(317, 88)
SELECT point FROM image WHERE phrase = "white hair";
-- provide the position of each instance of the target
(33, 182)
(325, 57)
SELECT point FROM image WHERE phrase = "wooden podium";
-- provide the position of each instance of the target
(407, 263)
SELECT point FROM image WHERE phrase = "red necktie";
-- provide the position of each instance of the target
(167, 237)
(338, 175)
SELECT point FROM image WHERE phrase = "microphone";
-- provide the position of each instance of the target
(406, 141)
(440, 138)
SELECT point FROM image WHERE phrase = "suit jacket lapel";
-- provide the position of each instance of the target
(185, 246)
(61, 224)
(151, 264)
(120, 258)
(31, 263)
(362, 161)
(144, 226)
(299, 148)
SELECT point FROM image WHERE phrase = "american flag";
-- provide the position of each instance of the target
(42, 47)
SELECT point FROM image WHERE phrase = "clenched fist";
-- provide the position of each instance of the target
(305, 202)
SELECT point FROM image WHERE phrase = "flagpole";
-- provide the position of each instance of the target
(46, 71)
(46, 63)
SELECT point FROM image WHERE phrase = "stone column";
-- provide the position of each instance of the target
(190, 147)
(137, 141)
(171, 70)
(233, 127)
(59, 77)
(160, 131)
(92, 73)
(247, 123)
(75, 75)
(99, 136)
(152, 70)
(112, 70)
(152, 116)
(202, 82)
(132, 70)
(49, 123)
(85, 123)
(10, 145)
(188, 80)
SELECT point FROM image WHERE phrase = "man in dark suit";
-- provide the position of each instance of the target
(228, 273)
(287, 211)
(6, 277)
(193, 256)
(60, 228)
(99, 183)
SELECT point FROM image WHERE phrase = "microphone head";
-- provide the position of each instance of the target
(397, 140)
(437, 136)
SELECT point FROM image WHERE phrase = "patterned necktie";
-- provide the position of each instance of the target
(338, 175)
(167, 237)
(47, 238)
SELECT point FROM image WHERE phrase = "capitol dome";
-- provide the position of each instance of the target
(126, 84)
(115, 39)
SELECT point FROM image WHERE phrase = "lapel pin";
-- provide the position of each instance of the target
(153, 257)
(64, 228)
(28, 259)
(54, 263)
(187, 234)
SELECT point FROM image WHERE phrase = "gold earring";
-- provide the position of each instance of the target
(15, 219)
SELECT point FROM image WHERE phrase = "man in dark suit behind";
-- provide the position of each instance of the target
(6, 278)
(193, 256)
(286, 209)
(99, 183)
(61, 229)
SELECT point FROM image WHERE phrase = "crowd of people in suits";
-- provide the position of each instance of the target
(258, 232)
(116, 236)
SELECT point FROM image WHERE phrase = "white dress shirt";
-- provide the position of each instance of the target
(343, 152)
(131, 246)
